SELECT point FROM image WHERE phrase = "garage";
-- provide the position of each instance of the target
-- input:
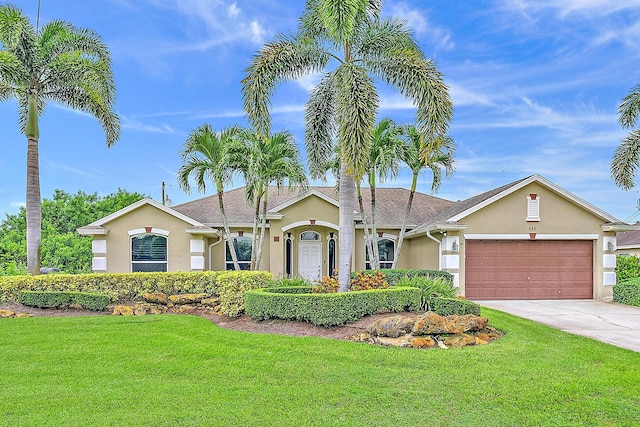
(529, 269)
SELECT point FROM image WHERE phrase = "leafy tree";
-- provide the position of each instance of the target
(424, 151)
(342, 108)
(62, 247)
(59, 63)
(205, 155)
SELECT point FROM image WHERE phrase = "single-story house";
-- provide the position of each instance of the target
(529, 239)
(628, 242)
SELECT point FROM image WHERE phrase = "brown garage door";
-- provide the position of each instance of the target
(529, 269)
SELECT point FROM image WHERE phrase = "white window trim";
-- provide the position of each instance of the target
(144, 233)
(533, 209)
(385, 236)
(335, 254)
(235, 235)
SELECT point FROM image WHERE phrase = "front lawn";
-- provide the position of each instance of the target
(172, 370)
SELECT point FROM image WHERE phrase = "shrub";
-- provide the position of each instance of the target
(326, 286)
(458, 306)
(120, 286)
(627, 292)
(627, 267)
(57, 299)
(234, 284)
(430, 289)
(330, 309)
(369, 280)
(282, 283)
(394, 276)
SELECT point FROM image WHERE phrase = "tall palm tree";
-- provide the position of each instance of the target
(342, 108)
(425, 151)
(59, 63)
(205, 155)
(266, 160)
(626, 159)
(384, 159)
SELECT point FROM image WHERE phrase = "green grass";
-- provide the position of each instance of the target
(179, 370)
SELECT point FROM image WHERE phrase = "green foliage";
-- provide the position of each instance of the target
(330, 309)
(58, 299)
(430, 289)
(627, 267)
(296, 281)
(327, 285)
(393, 276)
(369, 280)
(627, 292)
(234, 285)
(119, 287)
(448, 306)
(62, 247)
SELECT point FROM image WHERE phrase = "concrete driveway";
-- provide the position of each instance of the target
(608, 322)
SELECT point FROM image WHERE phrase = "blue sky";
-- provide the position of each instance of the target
(535, 83)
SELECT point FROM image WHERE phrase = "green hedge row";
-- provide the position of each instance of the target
(331, 309)
(450, 306)
(57, 299)
(131, 286)
(394, 276)
(627, 292)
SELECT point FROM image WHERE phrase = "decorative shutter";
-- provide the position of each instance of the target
(533, 208)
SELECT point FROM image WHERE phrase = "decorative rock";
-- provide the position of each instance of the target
(23, 315)
(183, 308)
(469, 322)
(480, 341)
(403, 341)
(156, 298)
(489, 334)
(432, 323)
(210, 302)
(460, 340)
(392, 327)
(7, 313)
(122, 310)
(422, 342)
(187, 298)
(361, 337)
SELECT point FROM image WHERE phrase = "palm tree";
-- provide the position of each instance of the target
(59, 63)
(425, 151)
(267, 160)
(205, 155)
(342, 108)
(384, 159)
(627, 156)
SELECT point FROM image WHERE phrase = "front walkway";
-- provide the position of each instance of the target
(608, 322)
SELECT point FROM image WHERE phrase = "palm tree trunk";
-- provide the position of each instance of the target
(263, 226)
(34, 213)
(227, 232)
(414, 182)
(375, 264)
(256, 219)
(367, 236)
(346, 198)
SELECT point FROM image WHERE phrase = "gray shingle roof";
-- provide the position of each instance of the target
(390, 206)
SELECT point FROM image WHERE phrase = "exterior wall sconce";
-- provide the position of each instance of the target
(610, 246)
(454, 246)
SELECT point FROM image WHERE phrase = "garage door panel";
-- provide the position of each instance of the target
(538, 269)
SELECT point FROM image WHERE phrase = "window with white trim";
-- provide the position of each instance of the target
(331, 256)
(386, 250)
(243, 247)
(148, 253)
(533, 207)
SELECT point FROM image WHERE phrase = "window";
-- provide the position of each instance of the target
(288, 256)
(309, 235)
(386, 249)
(243, 247)
(332, 256)
(148, 253)
(533, 208)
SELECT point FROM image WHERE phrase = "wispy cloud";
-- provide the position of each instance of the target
(72, 170)
(143, 127)
(418, 21)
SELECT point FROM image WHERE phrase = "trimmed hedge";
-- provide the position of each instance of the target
(331, 309)
(126, 286)
(450, 306)
(233, 286)
(627, 292)
(57, 299)
(393, 276)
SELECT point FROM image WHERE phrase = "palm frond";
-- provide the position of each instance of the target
(320, 125)
(626, 159)
(629, 108)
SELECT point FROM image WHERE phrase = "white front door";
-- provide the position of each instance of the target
(310, 260)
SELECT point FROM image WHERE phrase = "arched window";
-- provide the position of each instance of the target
(331, 255)
(288, 255)
(386, 249)
(309, 235)
(243, 247)
(148, 253)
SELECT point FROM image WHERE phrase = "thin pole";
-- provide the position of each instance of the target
(38, 18)
(163, 192)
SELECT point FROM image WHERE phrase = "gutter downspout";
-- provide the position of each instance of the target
(220, 239)
(439, 249)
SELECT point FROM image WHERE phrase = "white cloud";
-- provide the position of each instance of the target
(17, 204)
(233, 10)
(418, 22)
(139, 126)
